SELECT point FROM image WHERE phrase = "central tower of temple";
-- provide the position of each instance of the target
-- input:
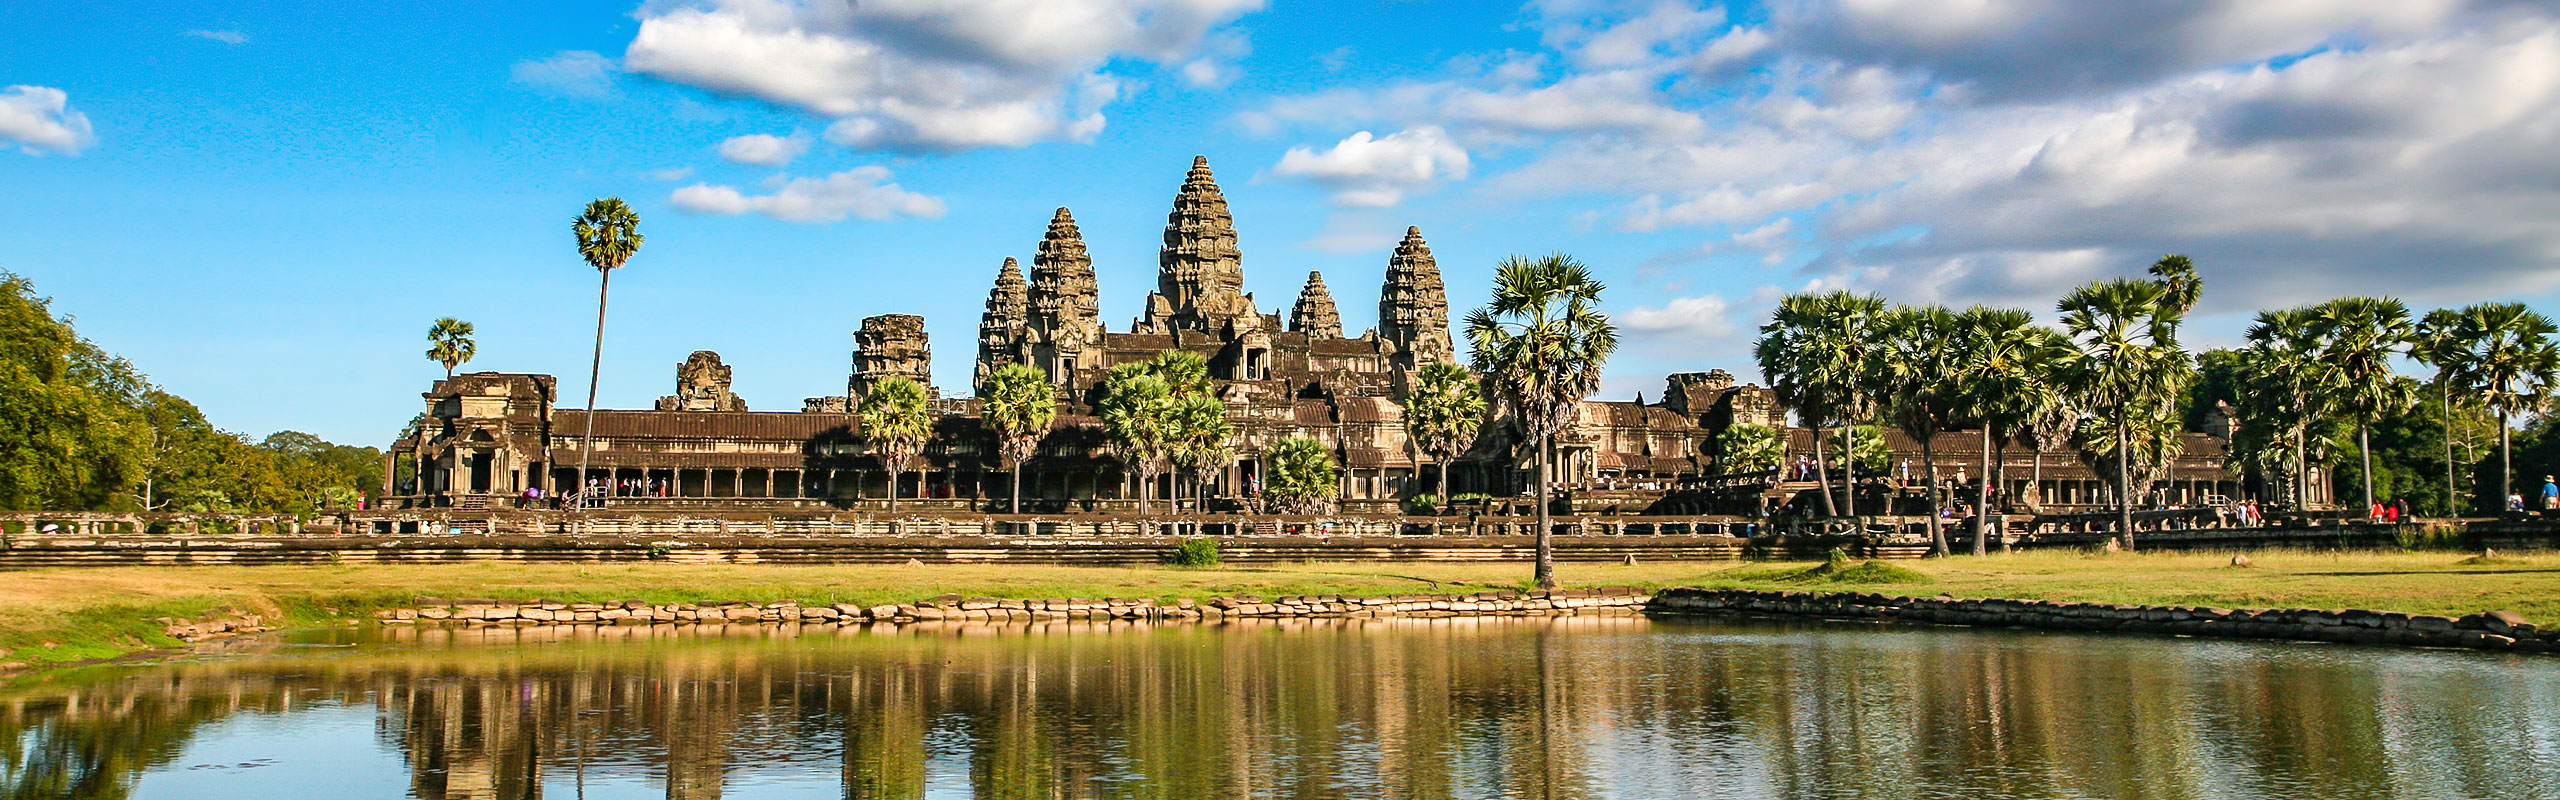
(1200, 280)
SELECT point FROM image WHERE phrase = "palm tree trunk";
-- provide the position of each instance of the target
(2124, 481)
(1929, 468)
(1849, 473)
(1443, 510)
(2364, 450)
(2037, 478)
(895, 477)
(2450, 509)
(1546, 569)
(1822, 475)
(2302, 467)
(1982, 503)
(587, 441)
(1017, 487)
(2506, 462)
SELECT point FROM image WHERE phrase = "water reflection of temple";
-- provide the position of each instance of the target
(1398, 709)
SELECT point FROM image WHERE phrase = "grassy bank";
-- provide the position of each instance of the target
(68, 615)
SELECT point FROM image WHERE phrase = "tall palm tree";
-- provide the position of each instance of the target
(449, 343)
(1304, 476)
(2432, 343)
(1813, 352)
(2127, 359)
(2176, 275)
(2001, 357)
(1914, 368)
(1201, 441)
(2358, 337)
(897, 420)
(2281, 374)
(1020, 405)
(1135, 408)
(1442, 415)
(2048, 411)
(2510, 359)
(1542, 341)
(608, 235)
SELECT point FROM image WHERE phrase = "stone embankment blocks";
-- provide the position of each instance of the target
(1503, 602)
(2488, 630)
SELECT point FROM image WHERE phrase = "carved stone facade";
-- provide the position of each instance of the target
(1413, 310)
(1314, 315)
(1065, 324)
(1200, 271)
(1000, 328)
(890, 345)
(702, 384)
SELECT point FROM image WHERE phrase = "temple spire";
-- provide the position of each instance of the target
(1065, 314)
(1314, 314)
(1200, 279)
(1413, 306)
(1000, 329)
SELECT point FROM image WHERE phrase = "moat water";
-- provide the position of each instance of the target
(1586, 707)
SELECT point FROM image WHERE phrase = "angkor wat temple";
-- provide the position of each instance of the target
(487, 437)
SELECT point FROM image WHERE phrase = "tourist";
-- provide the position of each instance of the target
(2550, 494)
(2400, 509)
(1906, 471)
(2515, 502)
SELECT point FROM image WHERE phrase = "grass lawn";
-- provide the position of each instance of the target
(74, 614)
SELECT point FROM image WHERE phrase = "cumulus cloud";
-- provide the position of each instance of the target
(225, 37)
(578, 73)
(40, 119)
(763, 149)
(1377, 172)
(927, 75)
(864, 192)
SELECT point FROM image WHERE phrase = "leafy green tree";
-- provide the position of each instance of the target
(1442, 415)
(2507, 357)
(1304, 477)
(2433, 343)
(2280, 378)
(1020, 406)
(70, 435)
(1749, 447)
(608, 234)
(1542, 341)
(2358, 337)
(898, 422)
(1135, 407)
(1815, 351)
(1184, 372)
(1863, 447)
(449, 343)
(2127, 360)
(1914, 368)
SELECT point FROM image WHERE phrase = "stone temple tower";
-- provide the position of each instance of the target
(1065, 320)
(1200, 280)
(1000, 329)
(1413, 307)
(890, 345)
(1315, 315)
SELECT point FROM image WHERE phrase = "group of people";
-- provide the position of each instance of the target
(2550, 498)
(2389, 511)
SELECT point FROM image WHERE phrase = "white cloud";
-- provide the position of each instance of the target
(40, 120)
(864, 192)
(763, 149)
(669, 174)
(578, 73)
(927, 75)
(1375, 172)
(225, 37)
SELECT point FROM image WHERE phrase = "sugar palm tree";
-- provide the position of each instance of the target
(2433, 343)
(1020, 405)
(449, 343)
(1135, 408)
(1914, 368)
(1813, 351)
(2124, 332)
(2358, 337)
(1542, 341)
(1442, 415)
(608, 235)
(897, 421)
(2281, 374)
(1304, 476)
(2049, 412)
(2001, 357)
(1744, 447)
(1201, 443)
(2510, 360)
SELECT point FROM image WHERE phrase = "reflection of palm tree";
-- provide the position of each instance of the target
(1542, 340)
(608, 234)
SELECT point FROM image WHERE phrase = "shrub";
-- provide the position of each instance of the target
(1197, 551)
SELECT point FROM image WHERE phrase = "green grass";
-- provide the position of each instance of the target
(55, 616)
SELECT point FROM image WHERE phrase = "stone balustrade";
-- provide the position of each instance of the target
(1501, 602)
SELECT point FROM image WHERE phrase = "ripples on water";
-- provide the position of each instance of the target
(1581, 707)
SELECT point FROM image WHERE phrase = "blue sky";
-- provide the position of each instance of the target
(264, 206)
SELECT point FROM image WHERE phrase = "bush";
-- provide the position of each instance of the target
(1422, 504)
(1197, 551)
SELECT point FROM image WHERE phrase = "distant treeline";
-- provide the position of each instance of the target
(83, 430)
